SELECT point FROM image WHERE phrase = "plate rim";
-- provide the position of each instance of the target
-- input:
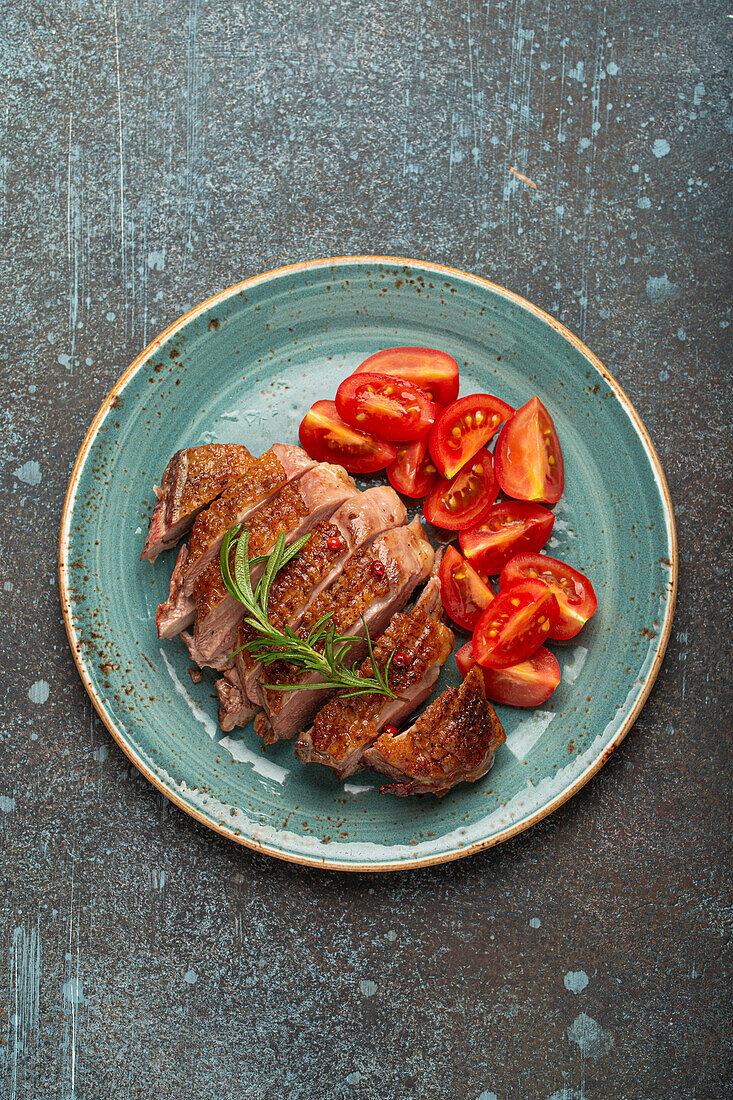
(178, 799)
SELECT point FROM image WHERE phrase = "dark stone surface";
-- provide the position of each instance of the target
(153, 153)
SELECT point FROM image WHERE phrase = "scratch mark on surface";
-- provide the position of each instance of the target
(23, 1003)
(121, 153)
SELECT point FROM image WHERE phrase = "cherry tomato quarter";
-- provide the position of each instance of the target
(529, 463)
(390, 408)
(573, 591)
(464, 428)
(413, 471)
(515, 624)
(528, 684)
(508, 528)
(327, 438)
(465, 595)
(433, 371)
(462, 501)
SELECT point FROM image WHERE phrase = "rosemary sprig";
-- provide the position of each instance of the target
(324, 651)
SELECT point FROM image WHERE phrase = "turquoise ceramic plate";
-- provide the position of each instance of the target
(245, 366)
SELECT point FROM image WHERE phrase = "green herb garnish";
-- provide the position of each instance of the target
(323, 651)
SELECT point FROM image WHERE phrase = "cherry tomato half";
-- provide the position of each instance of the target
(389, 408)
(434, 371)
(572, 589)
(515, 625)
(413, 472)
(465, 596)
(463, 428)
(326, 438)
(529, 463)
(527, 684)
(462, 501)
(508, 528)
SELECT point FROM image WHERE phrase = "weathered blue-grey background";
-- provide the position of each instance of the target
(151, 153)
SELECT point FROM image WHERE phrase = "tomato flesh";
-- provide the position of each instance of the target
(462, 500)
(327, 438)
(433, 371)
(465, 595)
(573, 591)
(390, 408)
(515, 625)
(527, 684)
(508, 528)
(413, 471)
(465, 427)
(529, 463)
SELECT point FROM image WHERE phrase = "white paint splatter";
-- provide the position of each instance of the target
(368, 987)
(190, 977)
(156, 260)
(74, 992)
(355, 1077)
(391, 935)
(592, 1039)
(535, 922)
(7, 803)
(485, 1095)
(38, 692)
(238, 750)
(699, 94)
(661, 289)
(612, 68)
(660, 148)
(575, 980)
(29, 472)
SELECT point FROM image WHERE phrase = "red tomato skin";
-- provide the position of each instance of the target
(327, 438)
(465, 596)
(528, 684)
(382, 413)
(451, 453)
(514, 527)
(412, 473)
(522, 604)
(523, 455)
(434, 371)
(436, 508)
(576, 606)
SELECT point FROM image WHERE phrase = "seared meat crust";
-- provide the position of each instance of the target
(454, 740)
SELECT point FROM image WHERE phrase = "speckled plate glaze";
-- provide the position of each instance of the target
(244, 366)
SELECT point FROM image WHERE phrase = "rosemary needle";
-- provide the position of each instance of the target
(323, 651)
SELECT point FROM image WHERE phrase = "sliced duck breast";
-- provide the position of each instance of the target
(453, 741)
(294, 511)
(266, 476)
(332, 544)
(346, 727)
(192, 479)
(377, 581)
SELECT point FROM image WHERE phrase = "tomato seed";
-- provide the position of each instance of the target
(334, 543)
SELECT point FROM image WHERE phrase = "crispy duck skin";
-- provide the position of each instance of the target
(192, 479)
(264, 477)
(293, 512)
(356, 524)
(453, 741)
(360, 594)
(346, 727)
